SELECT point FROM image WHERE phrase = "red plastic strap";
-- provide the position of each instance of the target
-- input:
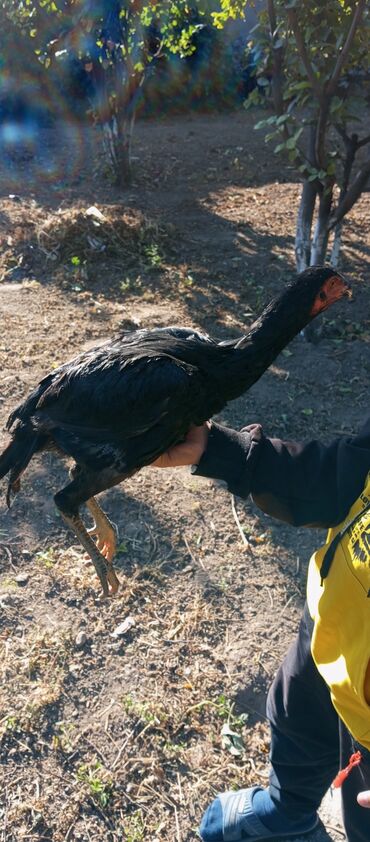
(354, 760)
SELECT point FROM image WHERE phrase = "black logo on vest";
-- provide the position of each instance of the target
(361, 545)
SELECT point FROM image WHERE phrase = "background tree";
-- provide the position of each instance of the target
(316, 60)
(120, 44)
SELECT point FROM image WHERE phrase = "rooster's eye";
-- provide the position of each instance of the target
(322, 295)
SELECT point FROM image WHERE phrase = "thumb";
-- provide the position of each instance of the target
(363, 798)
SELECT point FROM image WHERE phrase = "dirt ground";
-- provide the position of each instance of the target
(112, 732)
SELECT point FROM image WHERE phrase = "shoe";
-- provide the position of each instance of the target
(231, 818)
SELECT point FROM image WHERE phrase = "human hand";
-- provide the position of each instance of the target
(188, 452)
(363, 798)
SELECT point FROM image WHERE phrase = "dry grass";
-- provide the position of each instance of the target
(79, 240)
(107, 231)
(137, 762)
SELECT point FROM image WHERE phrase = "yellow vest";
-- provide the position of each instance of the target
(340, 608)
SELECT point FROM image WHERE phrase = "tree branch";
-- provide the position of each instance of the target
(272, 16)
(364, 141)
(353, 193)
(277, 78)
(293, 20)
(356, 19)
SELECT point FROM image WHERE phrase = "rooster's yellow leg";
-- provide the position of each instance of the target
(75, 523)
(103, 529)
(81, 490)
(106, 535)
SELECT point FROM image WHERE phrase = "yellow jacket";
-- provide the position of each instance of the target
(339, 604)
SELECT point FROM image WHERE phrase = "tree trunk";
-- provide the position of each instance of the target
(321, 233)
(123, 170)
(304, 226)
(352, 145)
(318, 251)
(311, 251)
(117, 139)
(337, 244)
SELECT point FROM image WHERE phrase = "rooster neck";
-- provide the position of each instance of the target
(251, 355)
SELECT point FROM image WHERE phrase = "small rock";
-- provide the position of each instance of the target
(22, 579)
(80, 640)
(124, 627)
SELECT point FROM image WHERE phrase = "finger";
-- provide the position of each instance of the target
(363, 798)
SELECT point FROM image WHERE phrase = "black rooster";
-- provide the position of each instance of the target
(119, 406)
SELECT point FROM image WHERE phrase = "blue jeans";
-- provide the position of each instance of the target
(309, 742)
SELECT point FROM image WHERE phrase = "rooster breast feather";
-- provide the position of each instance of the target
(122, 415)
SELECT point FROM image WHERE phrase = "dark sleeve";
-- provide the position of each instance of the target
(304, 484)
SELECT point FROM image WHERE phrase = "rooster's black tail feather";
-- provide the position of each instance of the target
(17, 455)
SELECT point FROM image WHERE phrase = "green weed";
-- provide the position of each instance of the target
(47, 558)
(96, 778)
(134, 828)
(152, 255)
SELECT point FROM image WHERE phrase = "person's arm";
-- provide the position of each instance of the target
(188, 452)
(303, 484)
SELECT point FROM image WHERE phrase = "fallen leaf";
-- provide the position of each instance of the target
(231, 741)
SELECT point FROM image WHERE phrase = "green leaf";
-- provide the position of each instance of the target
(270, 136)
(291, 142)
(300, 86)
(231, 741)
(268, 121)
(336, 104)
(283, 119)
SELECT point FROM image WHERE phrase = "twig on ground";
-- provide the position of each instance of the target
(237, 521)
(196, 561)
(121, 750)
(153, 541)
(180, 788)
(335, 829)
(110, 706)
(270, 595)
(98, 752)
(8, 553)
(178, 835)
(87, 830)
(287, 604)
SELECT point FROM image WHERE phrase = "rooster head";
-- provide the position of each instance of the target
(331, 287)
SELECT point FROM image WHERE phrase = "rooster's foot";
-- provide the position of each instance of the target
(104, 568)
(103, 530)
